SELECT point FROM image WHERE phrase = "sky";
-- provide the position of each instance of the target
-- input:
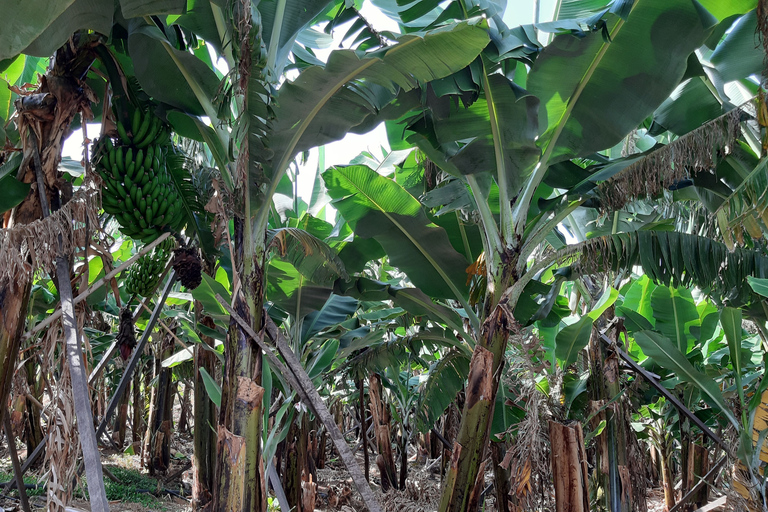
(518, 12)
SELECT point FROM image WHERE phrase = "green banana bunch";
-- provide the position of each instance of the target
(144, 275)
(146, 129)
(137, 188)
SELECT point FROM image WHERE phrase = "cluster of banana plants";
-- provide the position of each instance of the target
(520, 175)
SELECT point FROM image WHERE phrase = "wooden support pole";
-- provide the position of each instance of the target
(82, 399)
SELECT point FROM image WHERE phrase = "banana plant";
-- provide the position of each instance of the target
(497, 129)
(653, 422)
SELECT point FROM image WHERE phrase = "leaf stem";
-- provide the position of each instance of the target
(506, 220)
(274, 40)
(523, 203)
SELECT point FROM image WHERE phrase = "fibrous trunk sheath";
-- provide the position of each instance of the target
(483, 382)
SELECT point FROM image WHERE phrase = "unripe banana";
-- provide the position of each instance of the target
(111, 158)
(130, 169)
(135, 121)
(109, 200)
(149, 137)
(150, 231)
(134, 193)
(162, 136)
(142, 204)
(112, 184)
(123, 134)
(121, 191)
(163, 207)
(120, 160)
(139, 175)
(112, 210)
(139, 136)
(149, 157)
(150, 187)
(129, 184)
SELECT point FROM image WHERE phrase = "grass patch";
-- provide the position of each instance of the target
(40, 491)
(128, 489)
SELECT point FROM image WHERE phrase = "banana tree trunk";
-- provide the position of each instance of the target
(321, 450)
(240, 482)
(204, 456)
(381, 425)
(13, 305)
(121, 419)
(34, 429)
(612, 444)
(667, 482)
(297, 471)
(482, 384)
(184, 413)
(450, 432)
(698, 466)
(363, 426)
(500, 478)
(158, 438)
(51, 109)
(403, 458)
(569, 467)
(138, 427)
(617, 429)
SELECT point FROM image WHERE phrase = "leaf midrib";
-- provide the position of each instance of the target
(421, 249)
(692, 375)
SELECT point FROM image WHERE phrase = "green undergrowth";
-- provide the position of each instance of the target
(130, 488)
(40, 491)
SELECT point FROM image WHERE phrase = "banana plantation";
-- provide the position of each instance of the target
(384, 255)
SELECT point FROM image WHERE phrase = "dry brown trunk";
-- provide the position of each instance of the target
(34, 429)
(667, 483)
(450, 430)
(13, 302)
(138, 426)
(322, 446)
(698, 466)
(184, 414)
(500, 478)
(158, 439)
(363, 427)
(205, 418)
(381, 426)
(569, 468)
(295, 465)
(121, 419)
(308, 493)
